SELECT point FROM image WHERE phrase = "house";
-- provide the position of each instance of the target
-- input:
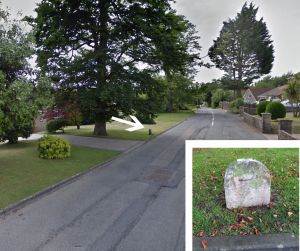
(276, 93)
(251, 95)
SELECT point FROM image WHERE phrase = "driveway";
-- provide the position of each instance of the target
(135, 202)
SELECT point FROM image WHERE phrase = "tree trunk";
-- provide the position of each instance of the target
(100, 128)
(78, 126)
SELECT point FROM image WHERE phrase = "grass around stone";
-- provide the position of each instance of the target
(117, 130)
(23, 173)
(210, 215)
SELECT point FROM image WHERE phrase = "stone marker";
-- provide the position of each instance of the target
(247, 183)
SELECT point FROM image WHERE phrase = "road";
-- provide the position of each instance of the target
(135, 202)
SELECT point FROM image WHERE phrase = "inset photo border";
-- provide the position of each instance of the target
(265, 151)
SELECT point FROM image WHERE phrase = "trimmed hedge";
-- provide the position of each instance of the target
(56, 124)
(276, 109)
(53, 148)
(261, 107)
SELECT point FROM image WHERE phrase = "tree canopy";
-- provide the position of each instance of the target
(22, 91)
(110, 50)
(244, 48)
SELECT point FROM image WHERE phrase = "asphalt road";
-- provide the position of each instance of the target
(136, 202)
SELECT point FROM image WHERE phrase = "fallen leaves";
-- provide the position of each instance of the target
(290, 214)
(201, 234)
(256, 231)
(204, 244)
(249, 218)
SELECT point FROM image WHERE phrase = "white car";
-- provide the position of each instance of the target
(286, 103)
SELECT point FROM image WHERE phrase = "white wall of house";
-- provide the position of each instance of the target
(249, 97)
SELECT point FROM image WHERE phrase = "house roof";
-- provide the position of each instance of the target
(274, 92)
(257, 91)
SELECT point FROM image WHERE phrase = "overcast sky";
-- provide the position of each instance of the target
(282, 18)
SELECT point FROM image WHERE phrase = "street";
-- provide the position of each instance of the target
(135, 202)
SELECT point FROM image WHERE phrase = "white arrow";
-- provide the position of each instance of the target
(136, 124)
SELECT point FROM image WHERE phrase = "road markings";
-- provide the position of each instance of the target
(136, 125)
(213, 118)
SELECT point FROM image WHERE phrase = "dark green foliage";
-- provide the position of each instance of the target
(56, 124)
(269, 81)
(54, 148)
(22, 91)
(207, 98)
(99, 55)
(261, 107)
(276, 109)
(243, 49)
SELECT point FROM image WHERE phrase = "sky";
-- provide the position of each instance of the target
(281, 16)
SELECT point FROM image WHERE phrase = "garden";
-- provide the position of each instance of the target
(210, 215)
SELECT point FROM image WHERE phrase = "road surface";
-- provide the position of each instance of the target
(134, 203)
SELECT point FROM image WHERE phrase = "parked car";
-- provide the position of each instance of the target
(286, 103)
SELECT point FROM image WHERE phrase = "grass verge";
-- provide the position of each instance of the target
(23, 173)
(117, 130)
(210, 215)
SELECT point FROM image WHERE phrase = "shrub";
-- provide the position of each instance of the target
(276, 109)
(56, 124)
(53, 148)
(261, 107)
(238, 102)
(235, 105)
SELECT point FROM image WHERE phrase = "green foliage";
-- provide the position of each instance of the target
(23, 173)
(100, 55)
(235, 105)
(276, 109)
(56, 124)
(261, 107)
(269, 81)
(21, 97)
(292, 93)
(243, 49)
(218, 95)
(53, 148)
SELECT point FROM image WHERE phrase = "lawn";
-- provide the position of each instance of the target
(210, 215)
(117, 130)
(23, 173)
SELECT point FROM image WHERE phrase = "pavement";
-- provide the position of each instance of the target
(265, 242)
(135, 202)
(101, 143)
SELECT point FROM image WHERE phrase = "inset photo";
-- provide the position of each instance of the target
(245, 195)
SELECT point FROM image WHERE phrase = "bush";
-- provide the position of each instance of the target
(238, 102)
(235, 105)
(53, 148)
(56, 124)
(276, 109)
(261, 107)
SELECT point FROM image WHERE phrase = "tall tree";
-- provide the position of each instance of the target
(104, 49)
(22, 92)
(244, 48)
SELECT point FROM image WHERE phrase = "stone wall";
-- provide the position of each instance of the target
(253, 120)
(283, 135)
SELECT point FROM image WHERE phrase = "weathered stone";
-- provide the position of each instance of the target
(247, 183)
